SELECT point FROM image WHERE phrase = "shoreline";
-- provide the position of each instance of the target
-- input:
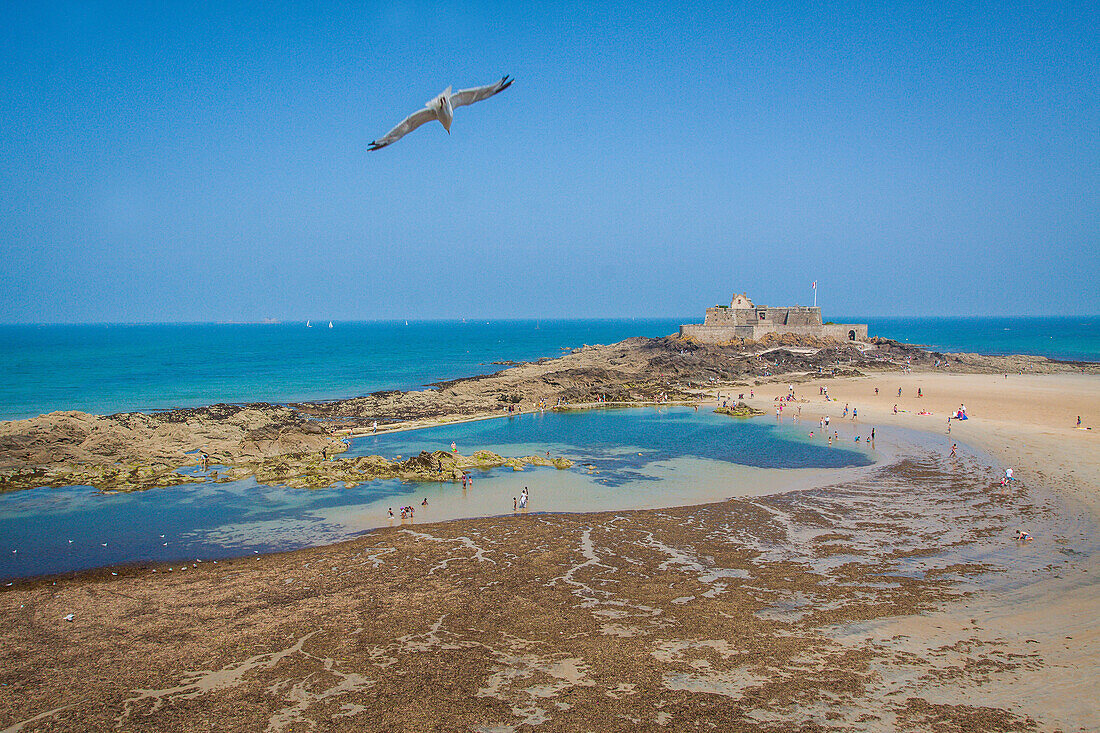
(711, 643)
(892, 599)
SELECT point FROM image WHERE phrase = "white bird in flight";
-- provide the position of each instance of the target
(441, 107)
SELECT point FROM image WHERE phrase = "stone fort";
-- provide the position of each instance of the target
(744, 319)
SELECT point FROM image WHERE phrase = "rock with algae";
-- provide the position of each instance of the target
(740, 410)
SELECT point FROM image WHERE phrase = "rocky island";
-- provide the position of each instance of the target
(289, 443)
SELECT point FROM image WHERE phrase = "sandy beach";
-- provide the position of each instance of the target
(1028, 422)
(895, 600)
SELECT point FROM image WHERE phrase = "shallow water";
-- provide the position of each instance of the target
(624, 459)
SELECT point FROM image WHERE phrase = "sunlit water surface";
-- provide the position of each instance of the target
(624, 459)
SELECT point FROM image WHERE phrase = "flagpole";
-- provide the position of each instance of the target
(815, 293)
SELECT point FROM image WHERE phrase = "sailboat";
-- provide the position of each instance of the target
(330, 324)
(309, 325)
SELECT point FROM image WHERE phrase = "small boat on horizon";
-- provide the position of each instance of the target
(330, 324)
(309, 325)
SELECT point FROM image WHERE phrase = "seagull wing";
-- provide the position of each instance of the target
(469, 96)
(410, 123)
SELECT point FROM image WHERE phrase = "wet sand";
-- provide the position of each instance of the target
(892, 600)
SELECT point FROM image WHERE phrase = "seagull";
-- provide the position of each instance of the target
(441, 107)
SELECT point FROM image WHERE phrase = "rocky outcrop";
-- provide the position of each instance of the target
(313, 472)
(739, 410)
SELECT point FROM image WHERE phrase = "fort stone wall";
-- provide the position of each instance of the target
(745, 320)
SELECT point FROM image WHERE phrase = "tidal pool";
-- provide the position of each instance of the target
(624, 459)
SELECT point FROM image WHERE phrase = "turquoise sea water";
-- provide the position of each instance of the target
(641, 457)
(113, 368)
(1067, 338)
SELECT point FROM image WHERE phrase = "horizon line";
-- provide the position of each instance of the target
(476, 319)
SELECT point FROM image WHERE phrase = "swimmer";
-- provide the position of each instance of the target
(1023, 536)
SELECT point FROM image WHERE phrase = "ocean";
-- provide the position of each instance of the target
(109, 368)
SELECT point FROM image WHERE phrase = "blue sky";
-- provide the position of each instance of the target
(165, 162)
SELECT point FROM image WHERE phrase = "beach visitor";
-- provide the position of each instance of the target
(895, 408)
(872, 433)
(1023, 536)
(953, 447)
(454, 448)
(919, 393)
(374, 427)
(830, 440)
(1008, 475)
(515, 504)
(425, 502)
(1078, 425)
(899, 391)
(391, 512)
(855, 413)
